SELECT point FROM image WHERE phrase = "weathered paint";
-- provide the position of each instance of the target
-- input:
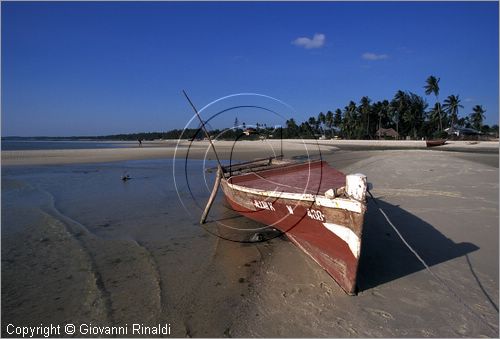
(346, 204)
(344, 233)
(356, 186)
(327, 229)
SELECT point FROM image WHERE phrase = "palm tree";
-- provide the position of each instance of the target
(345, 126)
(312, 124)
(414, 115)
(337, 118)
(432, 86)
(321, 121)
(329, 121)
(291, 128)
(451, 105)
(306, 130)
(365, 109)
(349, 121)
(382, 109)
(464, 122)
(399, 105)
(477, 117)
(435, 116)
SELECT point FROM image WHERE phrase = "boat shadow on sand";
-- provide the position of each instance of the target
(384, 257)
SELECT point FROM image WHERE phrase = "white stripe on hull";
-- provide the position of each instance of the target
(346, 204)
(347, 235)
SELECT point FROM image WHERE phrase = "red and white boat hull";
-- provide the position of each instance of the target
(327, 228)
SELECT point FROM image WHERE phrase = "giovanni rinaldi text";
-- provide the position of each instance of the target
(87, 330)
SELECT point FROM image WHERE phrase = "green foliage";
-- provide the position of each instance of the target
(451, 106)
(432, 85)
(439, 135)
(477, 117)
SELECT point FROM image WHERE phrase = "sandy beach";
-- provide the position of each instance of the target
(243, 150)
(81, 246)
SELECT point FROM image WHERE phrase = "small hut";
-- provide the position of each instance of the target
(387, 133)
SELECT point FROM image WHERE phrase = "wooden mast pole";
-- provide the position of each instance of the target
(203, 128)
(219, 165)
(211, 199)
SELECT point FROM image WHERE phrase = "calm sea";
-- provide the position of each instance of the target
(17, 145)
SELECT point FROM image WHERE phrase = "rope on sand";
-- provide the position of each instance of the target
(436, 277)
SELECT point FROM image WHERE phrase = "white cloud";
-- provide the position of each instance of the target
(373, 56)
(317, 41)
(469, 99)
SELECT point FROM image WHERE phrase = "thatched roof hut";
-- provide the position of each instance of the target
(387, 132)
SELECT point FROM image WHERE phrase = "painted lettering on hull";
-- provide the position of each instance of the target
(265, 205)
(315, 215)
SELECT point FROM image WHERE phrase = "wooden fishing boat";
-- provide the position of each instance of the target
(436, 142)
(320, 209)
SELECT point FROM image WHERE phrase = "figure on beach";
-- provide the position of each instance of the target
(125, 176)
(140, 142)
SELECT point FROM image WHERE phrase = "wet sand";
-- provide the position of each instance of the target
(81, 246)
(446, 206)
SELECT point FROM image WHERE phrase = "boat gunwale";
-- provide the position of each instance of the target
(320, 200)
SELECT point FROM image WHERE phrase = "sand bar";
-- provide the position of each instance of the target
(241, 150)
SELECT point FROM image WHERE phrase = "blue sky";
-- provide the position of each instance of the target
(94, 68)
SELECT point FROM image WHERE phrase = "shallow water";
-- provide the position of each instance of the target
(80, 243)
(17, 145)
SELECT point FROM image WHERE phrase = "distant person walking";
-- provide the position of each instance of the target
(140, 142)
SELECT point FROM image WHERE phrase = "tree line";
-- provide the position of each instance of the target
(407, 113)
